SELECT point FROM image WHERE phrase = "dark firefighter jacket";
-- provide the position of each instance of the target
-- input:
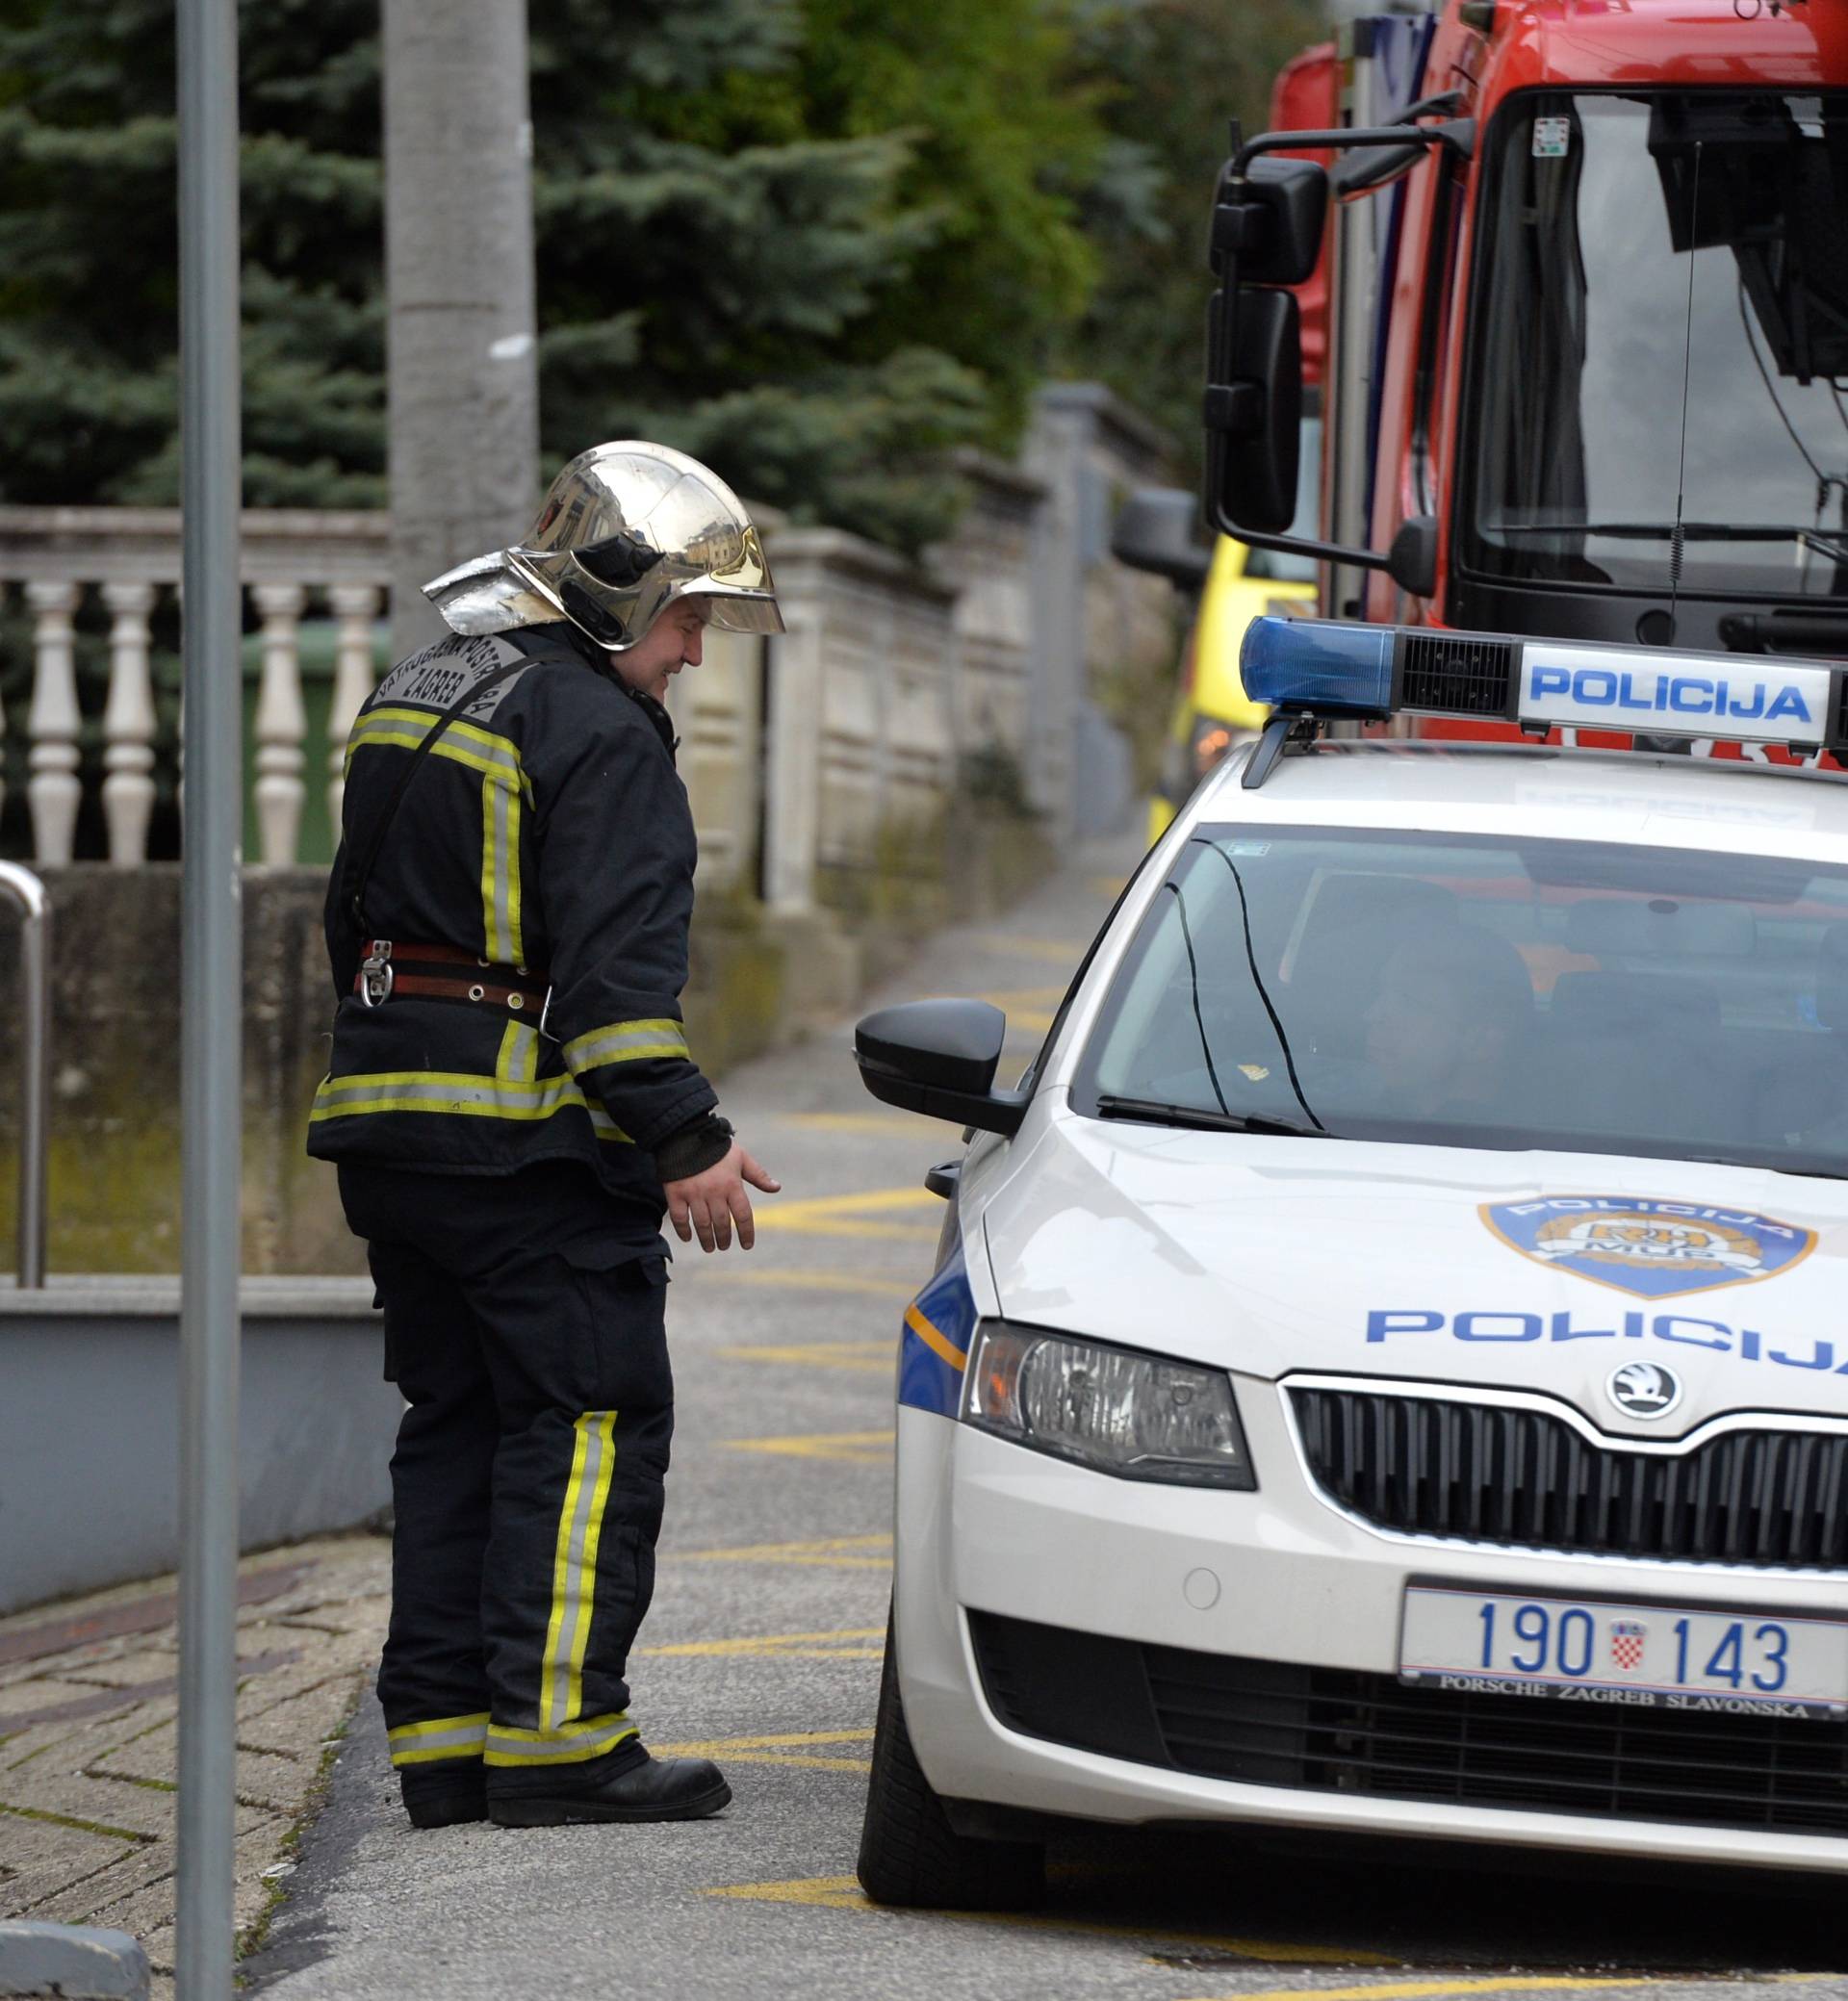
(547, 829)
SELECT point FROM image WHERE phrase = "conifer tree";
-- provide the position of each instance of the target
(702, 259)
(88, 253)
(708, 263)
(813, 240)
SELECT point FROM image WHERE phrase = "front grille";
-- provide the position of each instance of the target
(1452, 672)
(1332, 1729)
(1492, 1473)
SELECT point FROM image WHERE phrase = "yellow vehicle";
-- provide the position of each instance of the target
(1210, 709)
(1235, 584)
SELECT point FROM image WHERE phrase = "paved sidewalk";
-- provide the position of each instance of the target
(89, 1701)
(763, 1649)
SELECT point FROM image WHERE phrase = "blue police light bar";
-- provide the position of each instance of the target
(1320, 667)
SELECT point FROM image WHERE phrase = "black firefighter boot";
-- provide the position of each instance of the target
(436, 1797)
(625, 1784)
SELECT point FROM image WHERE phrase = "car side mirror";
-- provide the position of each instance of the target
(1254, 410)
(1155, 533)
(939, 1057)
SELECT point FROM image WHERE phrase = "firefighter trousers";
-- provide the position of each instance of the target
(524, 1329)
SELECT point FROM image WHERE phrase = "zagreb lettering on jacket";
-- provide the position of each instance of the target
(1722, 697)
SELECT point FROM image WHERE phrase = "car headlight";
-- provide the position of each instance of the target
(1142, 1417)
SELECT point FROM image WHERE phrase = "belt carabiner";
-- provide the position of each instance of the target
(375, 974)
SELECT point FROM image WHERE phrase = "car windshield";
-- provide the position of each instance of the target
(1633, 243)
(1462, 992)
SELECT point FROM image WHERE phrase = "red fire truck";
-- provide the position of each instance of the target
(1573, 278)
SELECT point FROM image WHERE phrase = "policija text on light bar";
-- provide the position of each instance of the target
(1320, 667)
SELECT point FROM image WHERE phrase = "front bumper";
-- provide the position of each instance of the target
(1277, 1576)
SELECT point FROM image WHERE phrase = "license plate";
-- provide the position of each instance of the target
(1652, 1655)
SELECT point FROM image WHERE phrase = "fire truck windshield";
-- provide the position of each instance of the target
(1663, 313)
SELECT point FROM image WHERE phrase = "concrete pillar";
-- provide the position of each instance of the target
(792, 761)
(462, 362)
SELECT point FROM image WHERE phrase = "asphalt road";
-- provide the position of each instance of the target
(763, 1650)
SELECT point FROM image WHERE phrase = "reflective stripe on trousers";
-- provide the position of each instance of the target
(589, 1737)
(574, 1570)
(444, 1736)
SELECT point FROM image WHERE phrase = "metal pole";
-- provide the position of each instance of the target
(25, 889)
(210, 990)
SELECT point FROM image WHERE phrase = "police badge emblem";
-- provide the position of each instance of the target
(1655, 1250)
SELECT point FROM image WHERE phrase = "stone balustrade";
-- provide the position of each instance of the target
(124, 562)
(800, 752)
(865, 691)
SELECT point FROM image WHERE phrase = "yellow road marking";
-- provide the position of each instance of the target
(1024, 997)
(782, 1749)
(848, 1552)
(1064, 952)
(1028, 1009)
(852, 1447)
(807, 1281)
(913, 1196)
(873, 1357)
(836, 1892)
(906, 1123)
(1507, 1984)
(804, 1646)
(851, 1215)
(796, 1758)
(844, 1894)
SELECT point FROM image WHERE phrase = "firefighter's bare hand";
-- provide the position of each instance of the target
(708, 1205)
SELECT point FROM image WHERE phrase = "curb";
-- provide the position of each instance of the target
(76, 1962)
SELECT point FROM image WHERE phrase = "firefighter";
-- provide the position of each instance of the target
(511, 1105)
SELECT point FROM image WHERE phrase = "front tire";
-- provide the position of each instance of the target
(909, 1854)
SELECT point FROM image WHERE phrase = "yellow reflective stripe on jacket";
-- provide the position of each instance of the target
(500, 871)
(625, 1041)
(570, 1744)
(457, 1095)
(443, 1736)
(519, 1060)
(574, 1569)
(461, 743)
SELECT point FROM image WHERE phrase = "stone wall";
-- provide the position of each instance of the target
(759, 978)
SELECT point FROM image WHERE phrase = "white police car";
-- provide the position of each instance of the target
(1386, 1369)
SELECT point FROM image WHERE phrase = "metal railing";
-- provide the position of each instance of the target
(26, 892)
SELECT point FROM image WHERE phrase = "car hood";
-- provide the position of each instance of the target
(1544, 1272)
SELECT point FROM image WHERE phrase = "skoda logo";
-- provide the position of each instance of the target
(1645, 1388)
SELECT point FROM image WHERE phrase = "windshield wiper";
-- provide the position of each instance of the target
(1157, 1111)
(1806, 1169)
(1827, 539)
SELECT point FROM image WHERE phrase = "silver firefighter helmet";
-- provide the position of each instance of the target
(627, 529)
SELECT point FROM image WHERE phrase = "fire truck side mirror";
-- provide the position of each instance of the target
(1268, 227)
(1254, 410)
